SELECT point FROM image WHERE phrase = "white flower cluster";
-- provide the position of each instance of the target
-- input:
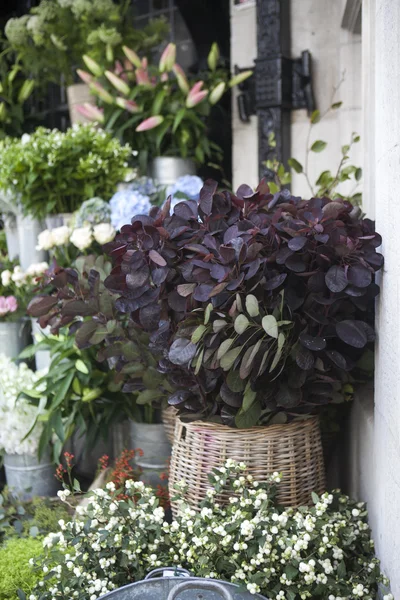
(80, 237)
(21, 278)
(285, 554)
(16, 414)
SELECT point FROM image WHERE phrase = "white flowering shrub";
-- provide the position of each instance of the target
(17, 415)
(324, 551)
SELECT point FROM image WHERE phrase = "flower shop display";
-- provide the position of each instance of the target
(322, 551)
(21, 431)
(51, 38)
(52, 172)
(164, 112)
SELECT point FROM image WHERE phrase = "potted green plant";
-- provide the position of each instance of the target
(134, 408)
(165, 111)
(50, 40)
(27, 474)
(51, 173)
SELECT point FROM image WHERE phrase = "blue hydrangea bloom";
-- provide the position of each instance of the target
(186, 187)
(144, 185)
(127, 203)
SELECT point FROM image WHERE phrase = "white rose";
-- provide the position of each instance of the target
(103, 233)
(18, 276)
(6, 277)
(37, 269)
(82, 237)
(60, 235)
(45, 240)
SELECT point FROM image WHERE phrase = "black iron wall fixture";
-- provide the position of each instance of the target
(279, 84)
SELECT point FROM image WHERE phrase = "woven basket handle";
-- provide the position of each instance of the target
(200, 585)
(176, 572)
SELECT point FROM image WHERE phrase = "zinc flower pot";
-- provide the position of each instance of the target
(14, 337)
(292, 449)
(28, 232)
(77, 94)
(12, 239)
(27, 476)
(86, 458)
(42, 357)
(167, 169)
(53, 221)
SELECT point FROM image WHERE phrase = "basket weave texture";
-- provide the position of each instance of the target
(169, 420)
(293, 449)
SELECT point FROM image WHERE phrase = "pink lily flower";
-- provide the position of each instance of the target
(194, 99)
(132, 56)
(197, 87)
(142, 77)
(167, 59)
(128, 105)
(85, 76)
(150, 123)
(181, 78)
(118, 83)
(91, 112)
(101, 92)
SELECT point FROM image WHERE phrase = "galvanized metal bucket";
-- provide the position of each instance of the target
(12, 239)
(28, 232)
(42, 357)
(167, 169)
(178, 584)
(14, 337)
(53, 221)
(28, 477)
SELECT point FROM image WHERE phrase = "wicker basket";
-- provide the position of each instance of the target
(293, 449)
(169, 420)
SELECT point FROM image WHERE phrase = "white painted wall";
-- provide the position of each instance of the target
(245, 137)
(336, 53)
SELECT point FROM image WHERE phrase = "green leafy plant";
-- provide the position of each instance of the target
(15, 570)
(53, 172)
(50, 40)
(319, 551)
(15, 90)
(166, 112)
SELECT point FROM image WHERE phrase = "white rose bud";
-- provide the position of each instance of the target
(45, 240)
(6, 277)
(82, 237)
(103, 233)
(60, 235)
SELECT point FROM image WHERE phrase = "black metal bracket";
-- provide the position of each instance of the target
(277, 82)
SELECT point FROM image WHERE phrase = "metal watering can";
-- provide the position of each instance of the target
(178, 584)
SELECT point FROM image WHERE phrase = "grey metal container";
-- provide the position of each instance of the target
(12, 239)
(42, 357)
(174, 587)
(14, 337)
(28, 477)
(53, 221)
(28, 232)
(167, 169)
(87, 458)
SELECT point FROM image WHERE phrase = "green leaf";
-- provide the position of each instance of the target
(291, 572)
(273, 188)
(62, 391)
(248, 418)
(263, 363)
(252, 305)
(342, 571)
(276, 360)
(315, 497)
(178, 119)
(345, 149)
(148, 396)
(218, 325)
(281, 340)
(234, 382)
(81, 367)
(199, 362)
(198, 333)
(270, 325)
(249, 398)
(336, 105)
(315, 117)
(207, 313)
(224, 347)
(318, 146)
(21, 595)
(229, 358)
(34, 531)
(241, 323)
(358, 174)
(158, 102)
(295, 165)
(248, 359)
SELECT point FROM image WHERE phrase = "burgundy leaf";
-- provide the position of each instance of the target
(297, 243)
(336, 279)
(352, 333)
(157, 258)
(206, 196)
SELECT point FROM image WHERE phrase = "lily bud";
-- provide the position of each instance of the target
(118, 83)
(150, 123)
(26, 90)
(181, 78)
(240, 77)
(167, 59)
(91, 112)
(194, 99)
(85, 76)
(132, 56)
(101, 92)
(142, 77)
(92, 65)
(217, 93)
(3, 111)
(128, 105)
(213, 57)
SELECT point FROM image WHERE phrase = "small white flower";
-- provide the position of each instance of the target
(103, 233)
(6, 278)
(60, 235)
(82, 238)
(45, 240)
